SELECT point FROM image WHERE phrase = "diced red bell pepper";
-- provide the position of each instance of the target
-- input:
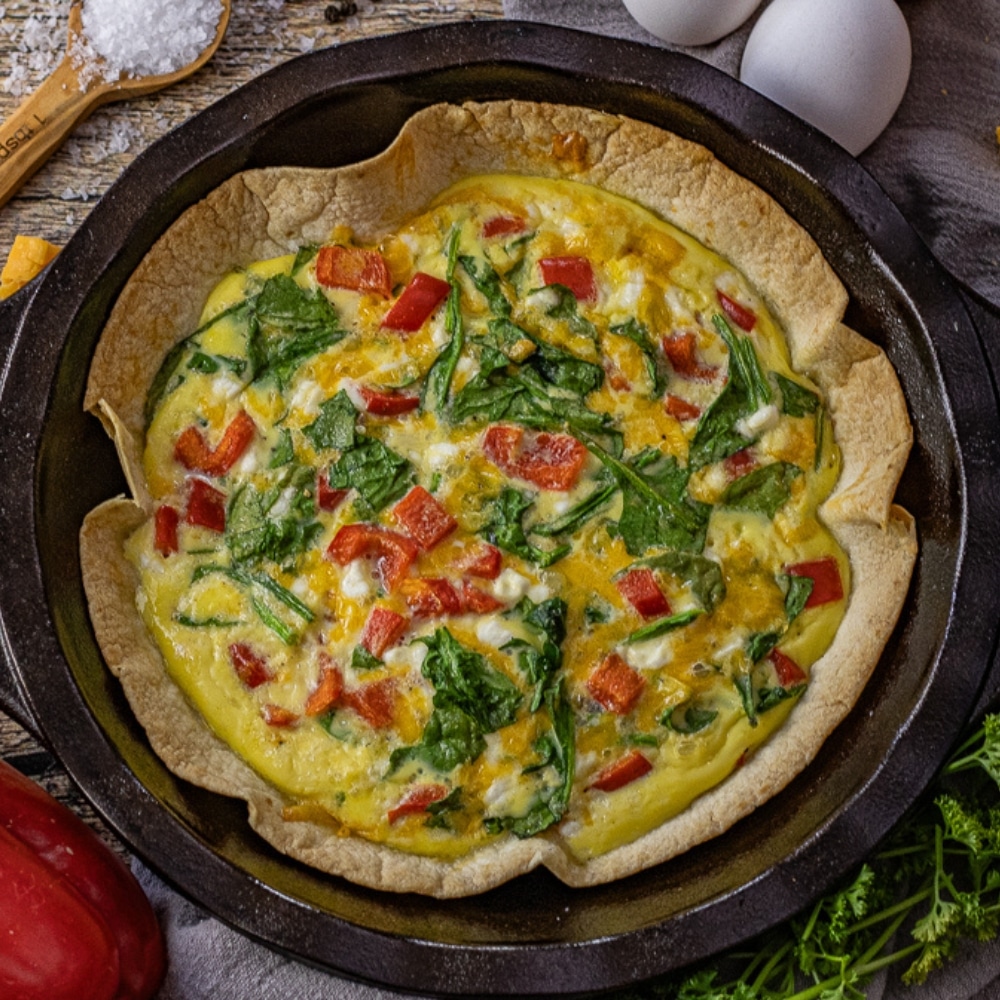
(615, 686)
(387, 403)
(739, 463)
(417, 800)
(574, 273)
(681, 350)
(206, 506)
(193, 452)
(327, 692)
(383, 629)
(417, 302)
(327, 498)
(478, 601)
(483, 560)
(393, 553)
(432, 597)
(737, 312)
(375, 702)
(280, 718)
(250, 667)
(681, 409)
(503, 225)
(825, 575)
(165, 530)
(353, 268)
(622, 772)
(424, 517)
(71, 850)
(640, 589)
(550, 461)
(788, 671)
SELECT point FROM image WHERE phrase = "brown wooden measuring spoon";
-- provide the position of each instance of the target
(38, 127)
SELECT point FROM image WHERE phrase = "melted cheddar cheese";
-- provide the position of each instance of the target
(505, 526)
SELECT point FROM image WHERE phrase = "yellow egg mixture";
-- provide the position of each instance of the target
(573, 475)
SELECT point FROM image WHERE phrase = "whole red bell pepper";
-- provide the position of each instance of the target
(74, 922)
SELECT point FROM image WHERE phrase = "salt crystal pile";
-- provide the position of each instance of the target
(145, 37)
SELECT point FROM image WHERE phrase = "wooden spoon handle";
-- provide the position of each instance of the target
(32, 134)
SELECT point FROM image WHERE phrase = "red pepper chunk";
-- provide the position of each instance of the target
(425, 519)
(788, 671)
(622, 772)
(615, 686)
(206, 506)
(432, 597)
(165, 528)
(681, 409)
(392, 552)
(353, 268)
(640, 589)
(55, 946)
(280, 718)
(503, 225)
(739, 463)
(416, 801)
(550, 461)
(327, 692)
(743, 317)
(478, 601)
(73, 852)
(483, 561)
(387, 403)
(374, 702)
(192, 451)
(417, 302)
(681, 350)
(825, 575)
(327, 498)
(382, 630)
(250, 667)
(574, 273)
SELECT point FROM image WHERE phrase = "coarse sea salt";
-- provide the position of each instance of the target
(143, 37)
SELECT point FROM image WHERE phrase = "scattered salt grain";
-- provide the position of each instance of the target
(143, 37)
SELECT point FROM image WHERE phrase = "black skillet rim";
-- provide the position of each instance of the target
(564, 967)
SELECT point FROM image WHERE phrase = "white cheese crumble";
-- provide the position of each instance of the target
(492, 631)
(225, 386)
(306, 398)
(439, 454)
(650, 655)
(411, 656)
(759, 421)
(510, 586)
(356, 583)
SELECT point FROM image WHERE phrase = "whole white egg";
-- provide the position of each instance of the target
(842, 65)
(691, 22)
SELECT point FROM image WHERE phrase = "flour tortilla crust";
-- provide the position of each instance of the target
(264, 213)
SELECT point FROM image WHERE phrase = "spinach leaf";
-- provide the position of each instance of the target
(578, 514)
(568, 309)
(166, 379)
(743, 358)
(565, 370)
(336, 425)
(506, 530)
(258, 528)
(799, 589)
(656, 510)
(638, 333)
(288, 324)
(664, 625)
(765, 490)
(437, 385)
(451, 737)
(378, 474)
(688, 718)
(487, 283)
(540, 664)
(556, 749)
(701, 574)
(796, 399)
(284, 450)
(303, 256)
(465, 679)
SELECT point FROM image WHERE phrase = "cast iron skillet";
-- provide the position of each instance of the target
(533, 935)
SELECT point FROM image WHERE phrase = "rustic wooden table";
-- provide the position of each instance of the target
(53, 203)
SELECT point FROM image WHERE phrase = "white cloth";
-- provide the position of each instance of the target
(939, 162)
